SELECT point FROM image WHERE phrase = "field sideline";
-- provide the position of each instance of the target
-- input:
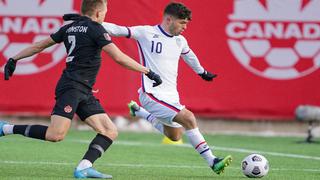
(141, 156)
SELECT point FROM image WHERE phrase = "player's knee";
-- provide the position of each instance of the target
(175, 137)
(55, 137)
(111, 133)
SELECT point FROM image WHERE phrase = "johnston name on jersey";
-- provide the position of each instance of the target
(83, 40)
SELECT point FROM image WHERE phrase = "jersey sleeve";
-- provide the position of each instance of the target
(101, 36)
(58, 36)
(185, 46)
(116, 30)
(136, 32)
(190, 57)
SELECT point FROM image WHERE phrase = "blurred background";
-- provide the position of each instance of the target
(266, 54)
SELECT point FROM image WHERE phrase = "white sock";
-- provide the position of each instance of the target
(84, 164)
(142, 113)
(150, 118)
(8, 129)
(199, 143)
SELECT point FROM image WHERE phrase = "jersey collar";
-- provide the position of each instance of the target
(86, 18)
(164, 32)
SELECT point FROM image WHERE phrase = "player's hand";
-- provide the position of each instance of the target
(154, 76)
(71, 17)
(207, 75)
(9, 68)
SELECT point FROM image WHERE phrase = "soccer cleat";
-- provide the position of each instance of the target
(133, 107)
(2, 123)
(220, 163)
(90, 173)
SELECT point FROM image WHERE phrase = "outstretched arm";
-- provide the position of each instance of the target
(191, 59)
(34, 49)
(119, 57)
(116, 30)
(27, 52)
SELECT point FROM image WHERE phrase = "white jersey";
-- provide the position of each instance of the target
(159, 52)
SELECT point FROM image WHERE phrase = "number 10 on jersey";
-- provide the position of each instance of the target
(156, 47)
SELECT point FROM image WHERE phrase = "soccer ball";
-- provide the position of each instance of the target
(255, 166)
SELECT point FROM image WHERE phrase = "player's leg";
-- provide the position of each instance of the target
(55, 132)
(93, 114)
(187, 119)
(158, 113)
(173, 133)
(106, 134)
(138, 111)
(58, 128)
(62, 114)
(31, 131)
(60, 120)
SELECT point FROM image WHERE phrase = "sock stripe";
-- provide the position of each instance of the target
(205, 150)
(98, 147)
(27, 131)
(200, 144)
(148, 116)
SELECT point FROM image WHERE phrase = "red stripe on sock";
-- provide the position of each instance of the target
(200, 144)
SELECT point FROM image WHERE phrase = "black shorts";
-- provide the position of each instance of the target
(72, 101)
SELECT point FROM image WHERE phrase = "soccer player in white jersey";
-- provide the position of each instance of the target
(160, 48)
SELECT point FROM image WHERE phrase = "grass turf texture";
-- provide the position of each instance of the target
(142, 156)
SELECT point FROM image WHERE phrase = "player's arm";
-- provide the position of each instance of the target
(119, 57)
(27, 52)
(192, 60)
(116, 30)
(35, 48)
(134, 32)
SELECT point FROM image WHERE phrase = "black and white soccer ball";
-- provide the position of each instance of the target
(255, 166)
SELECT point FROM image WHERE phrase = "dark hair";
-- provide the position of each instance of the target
(88, 6)
(178, 10)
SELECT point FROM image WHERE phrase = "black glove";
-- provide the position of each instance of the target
(71, 17)
(9, 68)
(207, 75)
(154, 76)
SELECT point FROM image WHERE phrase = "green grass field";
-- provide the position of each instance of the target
(142, 156)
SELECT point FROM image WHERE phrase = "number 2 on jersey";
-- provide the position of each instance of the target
(156, 47)
(72, 41)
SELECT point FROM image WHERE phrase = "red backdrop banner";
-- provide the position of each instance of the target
(267, 62)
